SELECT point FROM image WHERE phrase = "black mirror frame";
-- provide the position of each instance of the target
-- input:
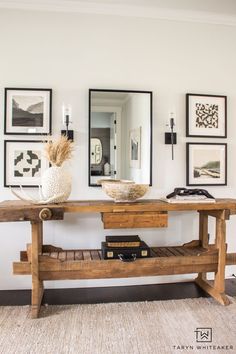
(89, 127)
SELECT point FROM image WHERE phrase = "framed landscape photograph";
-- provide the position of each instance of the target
(206, 164)
(24, 163)
(135, 148)
(206, 116)
(28, 111)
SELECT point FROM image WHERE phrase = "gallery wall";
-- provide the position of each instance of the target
(71, 53)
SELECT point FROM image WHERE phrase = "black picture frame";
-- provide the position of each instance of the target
(89, 127)
(220, 118)
(6, 142)
(212, 172)
(9, 129)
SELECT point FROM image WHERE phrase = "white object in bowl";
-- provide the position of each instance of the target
(124, 191)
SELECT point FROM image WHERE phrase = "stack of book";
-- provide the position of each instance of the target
(189, 199)
(124, 247)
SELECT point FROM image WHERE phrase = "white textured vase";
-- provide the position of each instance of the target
(56, 181)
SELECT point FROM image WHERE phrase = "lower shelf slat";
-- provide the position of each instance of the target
(95, 255)
(79, 255)
(88, 264)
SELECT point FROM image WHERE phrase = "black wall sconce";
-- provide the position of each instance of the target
(171, 137)
(67, 120)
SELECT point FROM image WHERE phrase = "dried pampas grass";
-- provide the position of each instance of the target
(58, 150)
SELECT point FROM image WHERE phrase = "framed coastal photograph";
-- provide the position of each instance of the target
(24, 163)
(28, 111)
(206, 116)
(206, 164)
(135, 148)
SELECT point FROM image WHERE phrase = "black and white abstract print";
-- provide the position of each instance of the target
(207, 115)
(27, 163)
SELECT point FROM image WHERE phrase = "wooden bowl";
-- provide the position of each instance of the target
(124, 191)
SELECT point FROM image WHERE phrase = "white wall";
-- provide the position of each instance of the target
(136, 114)
(100, 120)
(71, 53)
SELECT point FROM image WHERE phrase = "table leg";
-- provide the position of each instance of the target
(203, 237)
(217, 289)
(219, 282)
(37, 284)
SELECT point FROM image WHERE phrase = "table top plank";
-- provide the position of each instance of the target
(103, 206)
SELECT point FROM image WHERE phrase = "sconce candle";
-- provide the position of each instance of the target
(67, 120)
(66, 114)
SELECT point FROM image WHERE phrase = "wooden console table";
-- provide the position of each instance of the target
(46, 262)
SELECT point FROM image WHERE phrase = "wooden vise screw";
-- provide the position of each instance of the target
(45, 214)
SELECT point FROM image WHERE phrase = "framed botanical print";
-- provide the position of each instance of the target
(206, 164)
(28, 111)
(24, 163)
(206, 116)
(135, 148)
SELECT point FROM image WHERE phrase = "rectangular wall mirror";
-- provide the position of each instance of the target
(120, 135)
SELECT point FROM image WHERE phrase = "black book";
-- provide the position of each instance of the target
(127, 238)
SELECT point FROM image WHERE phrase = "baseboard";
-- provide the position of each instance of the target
(112, 294)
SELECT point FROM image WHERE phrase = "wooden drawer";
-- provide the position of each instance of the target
(127, 220)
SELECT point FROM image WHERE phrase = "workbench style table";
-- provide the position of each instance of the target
(46, 262)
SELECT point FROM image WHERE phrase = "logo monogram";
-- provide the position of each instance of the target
(203, 335)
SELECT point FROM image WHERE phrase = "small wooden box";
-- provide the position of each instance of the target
(134, 220)
(123, 241)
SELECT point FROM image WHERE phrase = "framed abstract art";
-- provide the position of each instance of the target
(28, 111)
(24, 163)
(206, 116)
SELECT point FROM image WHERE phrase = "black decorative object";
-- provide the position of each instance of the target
(189, 192)
(125, 254)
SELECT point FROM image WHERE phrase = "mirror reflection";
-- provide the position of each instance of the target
(96, 151)
(120, 136)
